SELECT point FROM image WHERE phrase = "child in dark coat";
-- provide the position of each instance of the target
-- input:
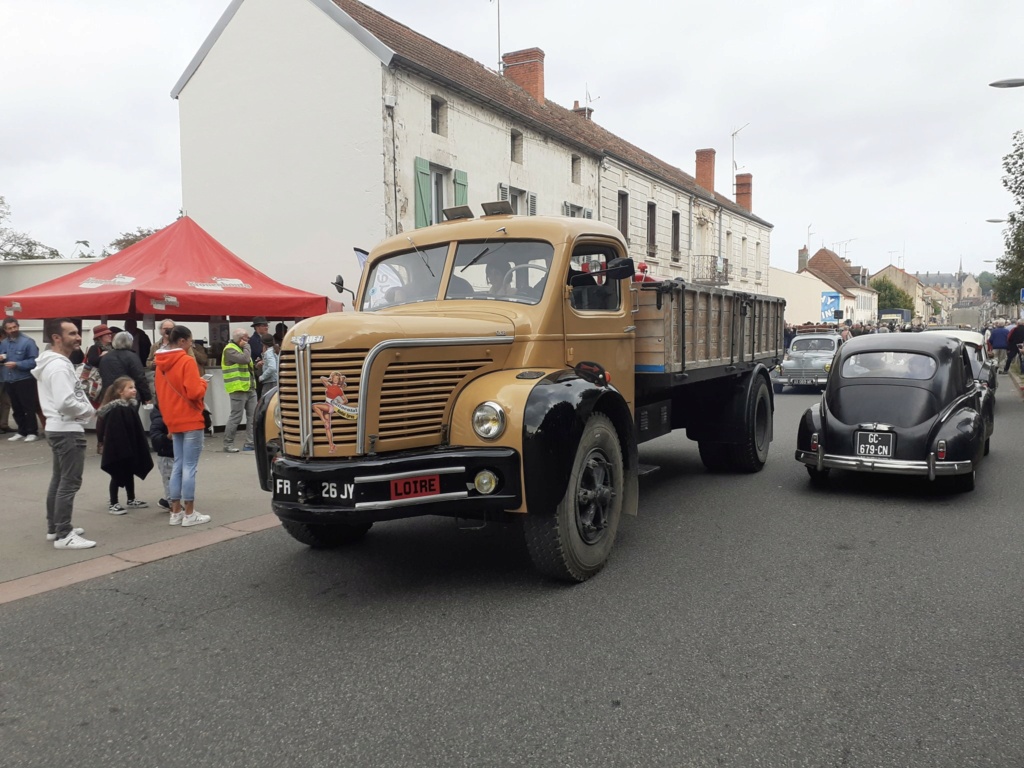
(123, 443)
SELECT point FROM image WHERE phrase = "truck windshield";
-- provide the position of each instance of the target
(510, 270)
(405, 278)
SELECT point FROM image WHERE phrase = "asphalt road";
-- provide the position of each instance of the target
(742, 621)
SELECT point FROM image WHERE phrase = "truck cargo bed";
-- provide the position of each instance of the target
(683, 328)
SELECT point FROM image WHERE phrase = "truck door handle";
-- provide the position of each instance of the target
(629, 329)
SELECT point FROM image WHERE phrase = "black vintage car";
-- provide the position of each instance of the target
(905, 404)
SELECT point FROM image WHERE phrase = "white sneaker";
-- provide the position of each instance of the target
(15, 437)
(176, 518)
(194, 519)
(73, 541)
(31, 438)
(76, 531)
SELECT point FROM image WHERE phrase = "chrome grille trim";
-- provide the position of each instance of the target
(304, 389)
(413, 473)
(401, 343)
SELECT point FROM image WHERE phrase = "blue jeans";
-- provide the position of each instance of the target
(187, 447)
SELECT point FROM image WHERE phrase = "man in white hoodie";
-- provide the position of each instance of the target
(67, 411)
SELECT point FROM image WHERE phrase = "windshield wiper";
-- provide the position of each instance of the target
(422, 256)
(485, 251)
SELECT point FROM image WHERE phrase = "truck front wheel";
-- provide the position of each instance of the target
(326, 536)
(574, 543)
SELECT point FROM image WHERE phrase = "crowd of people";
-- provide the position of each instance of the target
(122, 372)
(1004, 338)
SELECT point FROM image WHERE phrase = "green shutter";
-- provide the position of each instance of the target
(461, 188)
(422, 192)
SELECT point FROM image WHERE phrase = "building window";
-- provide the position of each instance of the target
(728, 247)
(438, 116)
(517, 147)
(624, 214)
(675, 235)
(652, 230)
(577, 169)
(743, 252)
(438, 183)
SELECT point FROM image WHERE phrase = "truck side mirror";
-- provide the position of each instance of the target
(618, 269)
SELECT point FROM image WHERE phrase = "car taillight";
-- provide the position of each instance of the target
(814, 441)
(941, 450)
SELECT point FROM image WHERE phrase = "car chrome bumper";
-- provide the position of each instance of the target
(931, 468)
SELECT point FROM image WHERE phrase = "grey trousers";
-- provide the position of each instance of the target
(68, 461)
(241, 402)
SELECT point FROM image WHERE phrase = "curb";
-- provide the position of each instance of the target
(27, 586)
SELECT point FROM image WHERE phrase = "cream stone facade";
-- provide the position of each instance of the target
(910, 285)
(311, 128)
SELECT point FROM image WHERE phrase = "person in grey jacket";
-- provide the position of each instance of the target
(67, 411)
(122, 361)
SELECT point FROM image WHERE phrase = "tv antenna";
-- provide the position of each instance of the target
(500, 63)
(734, 166)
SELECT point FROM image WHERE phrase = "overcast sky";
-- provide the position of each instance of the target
(870, 124)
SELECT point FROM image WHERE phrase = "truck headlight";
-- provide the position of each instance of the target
(489, 420)
(828, 367)
(277, 414)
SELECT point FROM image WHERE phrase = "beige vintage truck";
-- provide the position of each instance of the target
(505, 368)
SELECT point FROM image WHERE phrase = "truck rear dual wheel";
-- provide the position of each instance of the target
(574, 543)
(327, 536)
(751, 453)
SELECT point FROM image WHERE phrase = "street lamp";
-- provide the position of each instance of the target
(1013, 82)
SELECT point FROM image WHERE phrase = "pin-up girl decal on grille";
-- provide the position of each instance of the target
(335, 403)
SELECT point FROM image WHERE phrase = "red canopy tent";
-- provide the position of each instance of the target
(179, 271)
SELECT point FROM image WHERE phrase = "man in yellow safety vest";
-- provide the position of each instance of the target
(240, 384)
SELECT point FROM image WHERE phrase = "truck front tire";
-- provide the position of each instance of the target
(574, 543)
(327, 536)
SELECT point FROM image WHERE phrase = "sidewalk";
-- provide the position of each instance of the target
(226, 488)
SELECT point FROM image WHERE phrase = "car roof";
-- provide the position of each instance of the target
(925, 343)
(971, 337)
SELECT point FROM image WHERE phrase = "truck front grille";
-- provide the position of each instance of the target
(410, 404)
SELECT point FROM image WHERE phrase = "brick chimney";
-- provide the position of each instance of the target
(745, 191)
(801, 259)
(706, 169)
(584, 112)
(526, 69)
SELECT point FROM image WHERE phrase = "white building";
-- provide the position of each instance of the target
(802, 292)
(311, 127)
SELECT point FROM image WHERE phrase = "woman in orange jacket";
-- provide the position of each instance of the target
(181, 392)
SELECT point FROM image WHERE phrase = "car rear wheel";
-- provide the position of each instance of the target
(819, 477)
(964, 483)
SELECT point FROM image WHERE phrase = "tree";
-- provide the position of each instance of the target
(985, 281)
(16, 245)
(1010, 266)
(126, 239)
(891, 296)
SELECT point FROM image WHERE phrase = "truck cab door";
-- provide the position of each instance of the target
(598, 313)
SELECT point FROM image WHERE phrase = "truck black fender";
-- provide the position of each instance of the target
(264, 452)
(557, 411)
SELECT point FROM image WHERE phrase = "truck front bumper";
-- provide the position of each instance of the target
(435, 482)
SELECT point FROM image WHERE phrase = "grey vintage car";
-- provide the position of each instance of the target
(807, 361)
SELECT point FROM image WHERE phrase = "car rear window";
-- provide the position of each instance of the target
(815, 345)
(889, 365)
